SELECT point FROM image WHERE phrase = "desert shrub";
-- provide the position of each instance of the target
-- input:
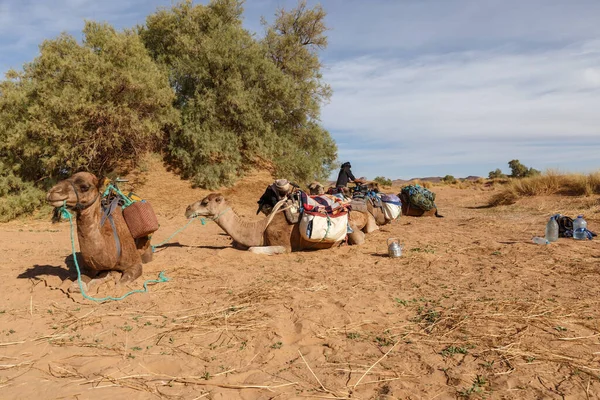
(497, 173)
(16, 196)
(243, 100)
(449, 179)
(594, 181)
(505, 197)
(425, 184)
(81, 106)
(383, 181)
(519, 170)
(551, 182)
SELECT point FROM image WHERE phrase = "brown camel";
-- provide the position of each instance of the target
(98, 246)
(315, 188)
(262, 233)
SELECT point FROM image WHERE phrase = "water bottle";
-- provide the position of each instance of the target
(579, 228)
(540, 240)
(552, 230)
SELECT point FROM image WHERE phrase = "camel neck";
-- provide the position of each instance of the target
(88, 221)
(243, 232)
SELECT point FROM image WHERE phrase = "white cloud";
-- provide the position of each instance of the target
(26, 24)
(468, 108)
(417, 25)
(544, 94)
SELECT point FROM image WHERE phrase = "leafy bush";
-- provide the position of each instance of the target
(83, 106)
(425, 184)
(16, 196)
(88, 106)
(519, 170)
(383, 181)
(243, 101)
(496, 174)
(449, 179)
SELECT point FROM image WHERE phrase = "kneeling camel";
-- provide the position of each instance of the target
(102, 247)
(273, 230)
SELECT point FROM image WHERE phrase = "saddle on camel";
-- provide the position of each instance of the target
(366, 196)
(322, 218)
(112, 236)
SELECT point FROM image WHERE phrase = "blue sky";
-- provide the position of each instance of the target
(421, 87)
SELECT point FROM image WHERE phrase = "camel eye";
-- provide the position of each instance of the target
(84, 188)
(204, 203)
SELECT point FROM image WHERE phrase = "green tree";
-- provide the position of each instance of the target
(449, 179)
(17, 196)
(383, 181)
(87, 106)
(239, 108)
(519, 170)
(293, 43)
(497, 173)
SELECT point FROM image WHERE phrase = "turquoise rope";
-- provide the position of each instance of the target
(161, 277)
(202, 220)
(126, 200)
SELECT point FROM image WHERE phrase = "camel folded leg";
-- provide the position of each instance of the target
(371, 225)
(131, 274)
(356, 238)
(144, 249)
(268, 250)
(90, 284)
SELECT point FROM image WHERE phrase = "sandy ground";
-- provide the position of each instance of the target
(472, 309)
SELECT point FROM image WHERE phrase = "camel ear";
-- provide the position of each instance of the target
(99, 183)
(219, 199)
(94, 180)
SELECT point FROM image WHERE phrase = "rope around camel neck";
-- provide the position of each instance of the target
(161, 277)
(202, 221)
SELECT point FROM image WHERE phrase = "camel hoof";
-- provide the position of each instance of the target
(74, 288)
(131, 274)
(147, 257)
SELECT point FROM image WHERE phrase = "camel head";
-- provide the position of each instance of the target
(316, 188)
(212, 206)
(78, 192)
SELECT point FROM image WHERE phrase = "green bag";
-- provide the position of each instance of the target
(419, 197)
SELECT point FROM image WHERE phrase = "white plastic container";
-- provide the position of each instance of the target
(579, 228)
(552, 230)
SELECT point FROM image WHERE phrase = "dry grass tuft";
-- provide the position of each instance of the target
(504, 198)
(425, 184)
(551, 182)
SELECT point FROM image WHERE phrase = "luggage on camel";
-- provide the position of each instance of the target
(280, 190)
(324, 218)
(321, 218)
(392, 206)
(137, 212)
(419, 200)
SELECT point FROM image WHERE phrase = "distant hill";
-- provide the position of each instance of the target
(432, 179)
